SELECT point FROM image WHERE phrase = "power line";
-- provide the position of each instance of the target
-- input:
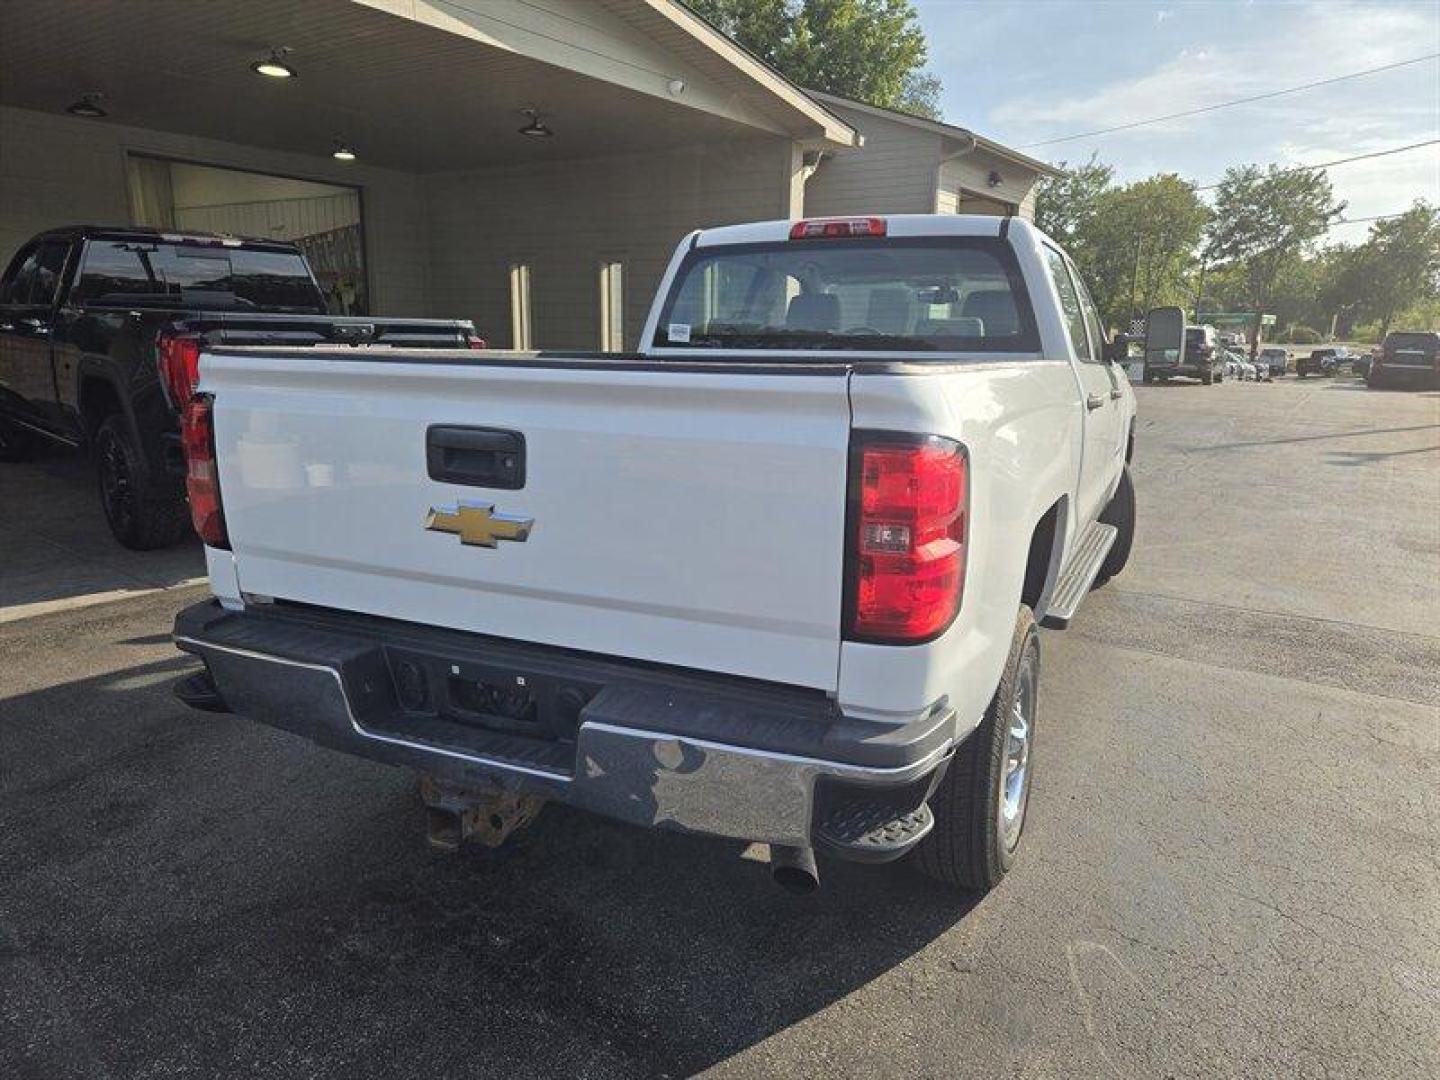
(1342, 161)
(1360, 220)
(1230, 104)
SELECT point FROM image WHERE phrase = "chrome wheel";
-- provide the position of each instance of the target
(1015, 775)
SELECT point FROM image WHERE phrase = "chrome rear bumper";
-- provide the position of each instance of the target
(658, 773)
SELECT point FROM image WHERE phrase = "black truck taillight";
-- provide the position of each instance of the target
(202, 474)
(907, 531)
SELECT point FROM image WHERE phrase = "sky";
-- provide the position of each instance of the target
(1022, 72)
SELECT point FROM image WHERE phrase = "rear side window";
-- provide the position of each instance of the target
(136, 272)
(877, 295)
(35, 277)
(1069, 303)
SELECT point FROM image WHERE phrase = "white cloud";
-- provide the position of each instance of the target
(1162, 14)
(1226, 68)
(1342, 120)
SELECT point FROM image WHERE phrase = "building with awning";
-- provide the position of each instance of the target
(529, 166)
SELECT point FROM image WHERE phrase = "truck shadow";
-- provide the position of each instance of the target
(57, 546)
(200, 867)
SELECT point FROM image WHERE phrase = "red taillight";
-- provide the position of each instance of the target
(837, 228)
(178, 358)
(473, 342)
(908, 540)
(202, 478)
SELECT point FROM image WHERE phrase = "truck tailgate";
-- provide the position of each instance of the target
(682, 517)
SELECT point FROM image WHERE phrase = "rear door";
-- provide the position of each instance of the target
(27, 310)
(1101, 409)
(662, 513)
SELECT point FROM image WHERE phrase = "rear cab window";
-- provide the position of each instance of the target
(923, 294)
(141, 271)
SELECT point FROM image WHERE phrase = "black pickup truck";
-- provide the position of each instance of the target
(99, 342)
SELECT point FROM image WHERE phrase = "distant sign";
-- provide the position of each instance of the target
(1242, 319)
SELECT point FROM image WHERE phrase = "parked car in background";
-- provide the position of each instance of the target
(778, 639)
(1277, 360)
(99, 327)
(1238, 365)
(1318, 362)
(1407, 359)
(1363, 362)
(1202, 358)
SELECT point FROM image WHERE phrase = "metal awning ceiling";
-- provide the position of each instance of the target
(405, 94)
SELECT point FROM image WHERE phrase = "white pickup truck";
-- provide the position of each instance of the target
(775, 578)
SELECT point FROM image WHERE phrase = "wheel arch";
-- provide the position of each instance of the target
(1042, 564)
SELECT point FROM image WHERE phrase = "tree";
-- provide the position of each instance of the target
(1398, 266)
(1266, 220)
(1137, 248)
(870, 50)
(1063, 202)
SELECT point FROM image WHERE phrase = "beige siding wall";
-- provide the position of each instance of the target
(971, 172)
(55, 170)
(563, 220)
(894, 173)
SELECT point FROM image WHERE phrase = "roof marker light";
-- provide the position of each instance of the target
(837, 228)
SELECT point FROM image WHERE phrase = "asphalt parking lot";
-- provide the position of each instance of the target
(1232, 864)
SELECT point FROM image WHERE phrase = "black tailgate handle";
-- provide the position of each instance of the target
(477, 457)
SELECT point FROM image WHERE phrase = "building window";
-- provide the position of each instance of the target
(612, 307)
(520, 321)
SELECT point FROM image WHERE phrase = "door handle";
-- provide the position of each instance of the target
(477, 457)
(1094, 401)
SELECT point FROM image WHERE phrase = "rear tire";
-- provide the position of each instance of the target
(139, 516)
(1120, 512)
(16, 444)
(1207, 377)
(981, 801)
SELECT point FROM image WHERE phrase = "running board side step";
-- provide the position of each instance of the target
(1079, 574)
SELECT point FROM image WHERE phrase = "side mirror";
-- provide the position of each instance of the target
(1117, 351)
(1165, 335)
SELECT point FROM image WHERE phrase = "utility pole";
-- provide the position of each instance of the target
(1135, 275)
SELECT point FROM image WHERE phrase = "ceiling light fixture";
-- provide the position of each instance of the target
(343, 151)
(273, 65)
(88, 106)
(535, 129)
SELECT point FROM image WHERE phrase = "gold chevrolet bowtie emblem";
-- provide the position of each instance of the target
(478, 524)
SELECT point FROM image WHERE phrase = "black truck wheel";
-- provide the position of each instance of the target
(15, 442)
(140, 518)
(1120, 512)
(1207, 376)
(980, 803)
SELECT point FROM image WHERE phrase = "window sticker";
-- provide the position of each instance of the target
(679, 332)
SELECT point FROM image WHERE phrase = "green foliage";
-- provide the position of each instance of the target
(1398, 266)
(921, 95)
(1266, 220)
(1063, 202)
(1136, 248)
(870, 50)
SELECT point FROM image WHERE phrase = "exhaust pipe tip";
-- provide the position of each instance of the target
(793, 869)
